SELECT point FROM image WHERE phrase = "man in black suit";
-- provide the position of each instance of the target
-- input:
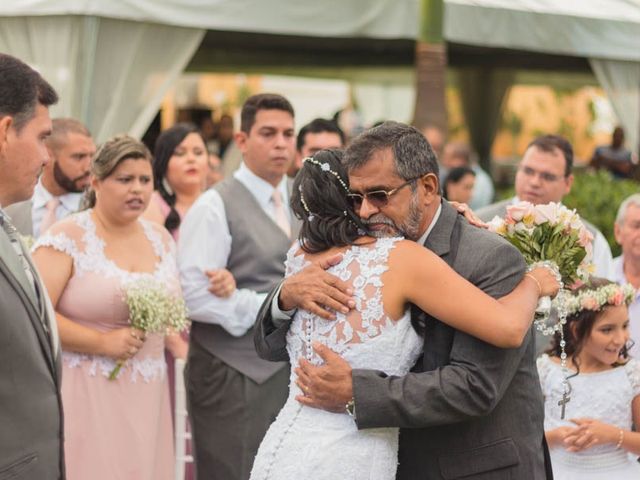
(468, 409)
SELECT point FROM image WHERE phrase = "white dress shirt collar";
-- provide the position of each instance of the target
(41, 196)
(260, 188)
(425, 235)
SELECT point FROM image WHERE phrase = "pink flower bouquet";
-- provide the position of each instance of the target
(550, 234)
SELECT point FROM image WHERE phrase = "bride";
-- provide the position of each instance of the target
(386, 275)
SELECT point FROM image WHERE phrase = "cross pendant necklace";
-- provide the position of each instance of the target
(566, 398)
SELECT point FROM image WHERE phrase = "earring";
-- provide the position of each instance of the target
(166, 186)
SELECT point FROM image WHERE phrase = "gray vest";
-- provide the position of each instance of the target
(256, 260)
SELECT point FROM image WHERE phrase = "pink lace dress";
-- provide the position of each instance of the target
(114, 429)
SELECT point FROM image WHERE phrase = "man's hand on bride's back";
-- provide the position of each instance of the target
(317, 291)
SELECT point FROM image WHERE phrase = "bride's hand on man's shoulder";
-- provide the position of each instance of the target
(468, 214)
(317, 291)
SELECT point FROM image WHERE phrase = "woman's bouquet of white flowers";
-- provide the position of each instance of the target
(550, 234)
(153, 309)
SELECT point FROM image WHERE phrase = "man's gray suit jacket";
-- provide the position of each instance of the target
(31, 425)
(468, 409)
(21, 216)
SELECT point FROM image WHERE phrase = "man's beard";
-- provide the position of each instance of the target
(409, 229)
(68, 184)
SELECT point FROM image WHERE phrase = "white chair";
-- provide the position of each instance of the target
(181, 425)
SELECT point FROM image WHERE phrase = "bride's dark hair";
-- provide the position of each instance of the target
(319, 199)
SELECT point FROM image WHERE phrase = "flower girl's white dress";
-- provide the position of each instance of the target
(311, 444)
(604, 396)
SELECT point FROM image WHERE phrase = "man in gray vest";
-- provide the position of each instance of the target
(245, 226)
(59, 191)
(31, 429)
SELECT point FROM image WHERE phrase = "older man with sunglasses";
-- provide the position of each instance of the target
(467, 409)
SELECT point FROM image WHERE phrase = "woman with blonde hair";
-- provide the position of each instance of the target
(117, 428)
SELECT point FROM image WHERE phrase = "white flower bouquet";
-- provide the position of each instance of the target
(554, 236)
(153, 309)
(550, 234)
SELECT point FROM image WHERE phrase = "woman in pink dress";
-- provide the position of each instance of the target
(114, 429)
(180, 169)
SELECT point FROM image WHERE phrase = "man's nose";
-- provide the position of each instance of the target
(367, 209)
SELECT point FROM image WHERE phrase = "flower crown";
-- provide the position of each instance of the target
(595, 299)
(325, 167)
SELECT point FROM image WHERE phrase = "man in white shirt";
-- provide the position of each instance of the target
(626, 267)
(244, 225)
(544, 176)
(59, 190)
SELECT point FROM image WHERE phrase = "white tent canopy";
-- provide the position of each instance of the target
(108, 56)
(606, 32)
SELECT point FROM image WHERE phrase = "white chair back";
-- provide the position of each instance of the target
(181, 423)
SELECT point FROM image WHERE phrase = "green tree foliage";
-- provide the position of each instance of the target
(596, 197)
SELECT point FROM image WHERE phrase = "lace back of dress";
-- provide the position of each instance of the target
(362, 268)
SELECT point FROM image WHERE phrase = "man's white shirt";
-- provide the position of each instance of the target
(69, 203)
(634, 308)
(205, 244)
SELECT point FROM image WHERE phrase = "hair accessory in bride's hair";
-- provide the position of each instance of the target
(310, 216)
(595, 299)
(325, 167)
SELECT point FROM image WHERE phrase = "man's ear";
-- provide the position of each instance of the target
(6, 123)
(569, 184)
(430, 184)
(240, 138)
(617, 233)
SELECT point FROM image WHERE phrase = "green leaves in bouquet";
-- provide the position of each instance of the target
(551, 242)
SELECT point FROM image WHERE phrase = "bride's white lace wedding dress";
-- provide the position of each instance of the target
(307, 443)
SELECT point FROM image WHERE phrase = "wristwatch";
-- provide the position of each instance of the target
(350, 407)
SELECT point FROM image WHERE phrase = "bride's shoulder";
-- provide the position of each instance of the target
(409, 248)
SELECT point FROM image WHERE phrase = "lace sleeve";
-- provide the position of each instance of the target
(544, 367)
(294, 263)
(632, 368)
(58, 241)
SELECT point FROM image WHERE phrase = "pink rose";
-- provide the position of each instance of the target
(546, 213)
(518, 211)
(590, 303)
(585, 238)
(497, 225)
(616, 299)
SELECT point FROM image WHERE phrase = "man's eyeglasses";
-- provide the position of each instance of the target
(544, 176)
(377, 198)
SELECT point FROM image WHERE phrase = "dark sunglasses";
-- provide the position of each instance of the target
(377, 198)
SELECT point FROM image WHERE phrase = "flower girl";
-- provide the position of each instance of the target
(596, 436)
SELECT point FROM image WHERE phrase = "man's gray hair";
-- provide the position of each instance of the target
(413, 156)
(622, 211)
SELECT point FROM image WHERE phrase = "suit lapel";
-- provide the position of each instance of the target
(11, 268)
(12, 261)
(439, 240)
(438, 337)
